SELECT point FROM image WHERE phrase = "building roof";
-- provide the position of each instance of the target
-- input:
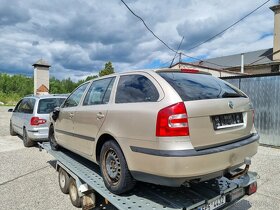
(259, 57)
(202, 65)
(41, 62)
(42, 88)
(275, 7)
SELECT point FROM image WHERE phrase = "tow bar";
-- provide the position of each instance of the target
(236, 175)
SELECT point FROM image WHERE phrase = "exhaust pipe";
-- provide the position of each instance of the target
(238, 174)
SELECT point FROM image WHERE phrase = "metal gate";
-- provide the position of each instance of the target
(264, 92)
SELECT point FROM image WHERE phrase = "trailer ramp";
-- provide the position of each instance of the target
(153, 197)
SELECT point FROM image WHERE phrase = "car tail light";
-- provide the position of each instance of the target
(172, 121)
(37, 121)
(252, 188)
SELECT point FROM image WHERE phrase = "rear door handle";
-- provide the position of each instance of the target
(100, 115)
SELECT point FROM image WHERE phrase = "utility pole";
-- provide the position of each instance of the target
(180, 57)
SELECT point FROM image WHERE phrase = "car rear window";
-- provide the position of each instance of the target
(47, 105)
(192, 87)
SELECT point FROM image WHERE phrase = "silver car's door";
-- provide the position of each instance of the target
(24, 114)
(90, 114)
(15, 116)
(64, 129)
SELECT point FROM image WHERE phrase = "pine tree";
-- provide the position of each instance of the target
(109, 69)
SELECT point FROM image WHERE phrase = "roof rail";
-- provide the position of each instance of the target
(183, 70)
(60, 94)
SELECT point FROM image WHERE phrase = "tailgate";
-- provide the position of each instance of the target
(234, 116)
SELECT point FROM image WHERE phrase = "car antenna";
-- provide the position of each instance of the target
(177, 53)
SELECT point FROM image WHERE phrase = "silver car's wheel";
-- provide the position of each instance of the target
(27, 142)
(12, 132)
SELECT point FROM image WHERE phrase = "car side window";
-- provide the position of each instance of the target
(17, 106)
(107, 94)
(99, 92)
(27, 106)
(136, 88)
(75, 97)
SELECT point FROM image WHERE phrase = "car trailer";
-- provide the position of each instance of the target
(82, 180)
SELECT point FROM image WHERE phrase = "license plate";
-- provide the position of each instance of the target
(214, 204)
(227, 120)
(235, 194)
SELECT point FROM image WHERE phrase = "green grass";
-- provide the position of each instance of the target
(9, 99)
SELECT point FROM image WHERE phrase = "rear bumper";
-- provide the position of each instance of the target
(174, 167)
(193, 152)
(38, 134)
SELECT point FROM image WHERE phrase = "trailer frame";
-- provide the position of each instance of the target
(146, 196)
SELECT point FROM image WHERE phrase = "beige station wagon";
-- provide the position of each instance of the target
(167, 127)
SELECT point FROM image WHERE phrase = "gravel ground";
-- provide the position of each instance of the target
(29, 181)
(27, 178)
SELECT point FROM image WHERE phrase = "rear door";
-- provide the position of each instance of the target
(90, 115)
(15, 117)
(25, 112)
(217, 112)
(64, 127)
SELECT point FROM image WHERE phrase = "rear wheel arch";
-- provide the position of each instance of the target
(52, 139)
(26, 140)
(113, 165)
(101, 140)
(12, 131)
(51, 125)
(24, 128)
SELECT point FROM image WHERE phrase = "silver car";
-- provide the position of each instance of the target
(30, 117)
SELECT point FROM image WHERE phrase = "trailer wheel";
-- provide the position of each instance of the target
(73, 193)
(27, 142)
(63, 180)
(52, 139)
(114, 169)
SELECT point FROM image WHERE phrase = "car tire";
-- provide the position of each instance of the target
(63, 180)
(73, 193)
(52, 140)
(12, 132)
(27, 142)
(114, 169)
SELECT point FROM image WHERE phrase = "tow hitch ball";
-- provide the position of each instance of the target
(235, 175)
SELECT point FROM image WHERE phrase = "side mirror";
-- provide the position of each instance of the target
(10, 110)
(55, 113)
